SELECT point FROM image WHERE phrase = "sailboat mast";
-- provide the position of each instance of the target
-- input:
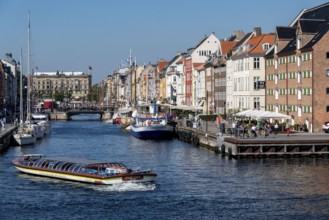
(28, 71)
(21, 92)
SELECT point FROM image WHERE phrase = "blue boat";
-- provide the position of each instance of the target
(152, 125)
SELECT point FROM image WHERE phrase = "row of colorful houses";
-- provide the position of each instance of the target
(286, 71)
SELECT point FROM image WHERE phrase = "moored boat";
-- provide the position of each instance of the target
(42, 119)
(86, 171)
(25, 137)
(150, 126)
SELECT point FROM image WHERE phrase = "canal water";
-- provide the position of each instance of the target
(192, 182)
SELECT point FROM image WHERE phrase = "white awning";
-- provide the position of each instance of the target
(262, 114)
(187, 107)
(273, 115)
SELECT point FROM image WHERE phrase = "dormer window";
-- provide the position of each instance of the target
(266, 46)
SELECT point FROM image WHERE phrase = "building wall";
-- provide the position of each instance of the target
(220, 90)
(188, 80)
(77, 85)
(205, 49)
(320, 111)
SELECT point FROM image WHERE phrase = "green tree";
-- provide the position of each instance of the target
(59, 95)
(94, 93)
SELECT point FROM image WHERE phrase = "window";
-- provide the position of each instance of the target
(307, 109)
(256, 79)
(327, 72)
(327, 55)
(266, 46)
(307, 74)
(292, 75)
(327, 108)
(306, 56)
(270, 62)
(327, 90)
(256, 63)
(282, 76)
(291, 59)
(282, 60)
(307, 91)
(256, 103)
(292, 91)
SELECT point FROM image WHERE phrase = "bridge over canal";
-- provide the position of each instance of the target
(67, 115)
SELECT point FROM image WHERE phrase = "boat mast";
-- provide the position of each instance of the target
(21, 93)
(28, 72)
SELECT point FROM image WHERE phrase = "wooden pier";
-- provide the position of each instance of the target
(296, 145)
(6, 137)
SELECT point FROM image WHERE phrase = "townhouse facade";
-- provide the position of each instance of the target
(297, 69)
(10, 72)
(208, 46)
(174, 79)
(246, 72)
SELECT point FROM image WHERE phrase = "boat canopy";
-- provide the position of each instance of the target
(71, 165)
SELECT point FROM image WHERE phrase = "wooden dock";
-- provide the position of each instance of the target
(6, 136)
(296, 145)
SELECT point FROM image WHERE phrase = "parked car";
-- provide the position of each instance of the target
(325, 127)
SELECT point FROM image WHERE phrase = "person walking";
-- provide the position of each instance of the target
(288, 128)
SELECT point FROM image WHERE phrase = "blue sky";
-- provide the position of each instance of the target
(70, 35)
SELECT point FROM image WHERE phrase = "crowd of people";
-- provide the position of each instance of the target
(258, 128)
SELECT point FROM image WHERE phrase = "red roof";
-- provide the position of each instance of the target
(226, 46)
(162, 64)
(256, 44)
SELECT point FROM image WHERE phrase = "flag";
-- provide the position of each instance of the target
(90, 68)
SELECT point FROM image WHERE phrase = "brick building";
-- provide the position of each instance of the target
(297, 69)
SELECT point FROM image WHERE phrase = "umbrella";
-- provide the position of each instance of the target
(273, 115)
(243, 113)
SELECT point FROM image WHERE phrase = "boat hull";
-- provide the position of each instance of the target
(136, 178)
(24, 139)
(151, 132)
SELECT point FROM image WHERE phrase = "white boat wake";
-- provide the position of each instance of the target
(126, 187)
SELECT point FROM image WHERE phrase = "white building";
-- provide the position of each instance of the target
(246, 72)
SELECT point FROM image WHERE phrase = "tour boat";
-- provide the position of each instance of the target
(87, 171)
(152, 125)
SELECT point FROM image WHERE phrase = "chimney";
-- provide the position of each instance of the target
(258, 31)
